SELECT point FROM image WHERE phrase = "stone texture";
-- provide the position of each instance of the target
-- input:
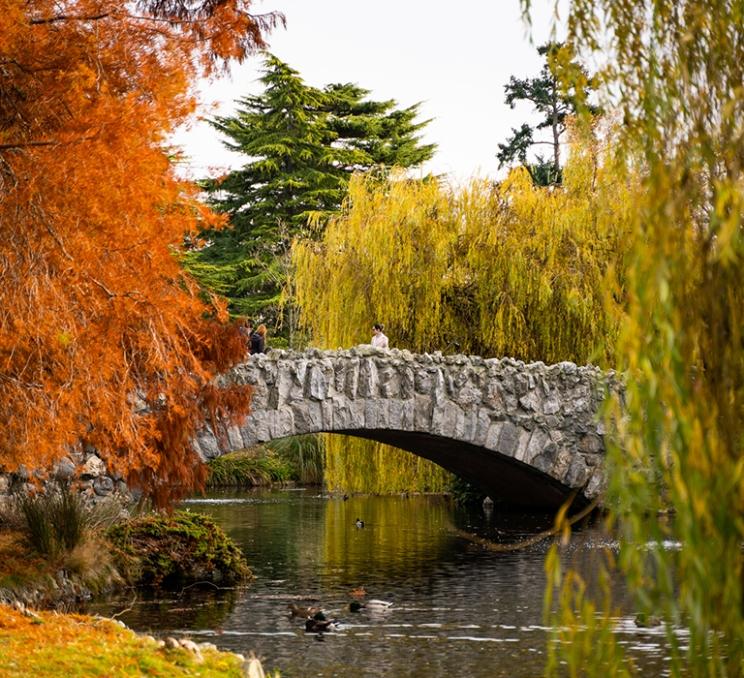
(65, 469)
(103, 486)
(542, 416)
(93, 467)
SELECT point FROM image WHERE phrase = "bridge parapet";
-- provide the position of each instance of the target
(496, 422)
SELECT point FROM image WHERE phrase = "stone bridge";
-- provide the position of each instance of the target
(527, 434)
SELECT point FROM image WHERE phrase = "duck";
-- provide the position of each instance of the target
(371, 606)
(359, 523)
(644, 621)
(298, 611)
(318, 624)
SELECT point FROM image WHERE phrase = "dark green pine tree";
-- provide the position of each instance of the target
(550, 98)
(301, 146)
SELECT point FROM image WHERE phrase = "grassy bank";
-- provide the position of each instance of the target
(51, 644)
(297, 459)
(51, 557)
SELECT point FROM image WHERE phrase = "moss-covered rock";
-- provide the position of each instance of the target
(176, 550)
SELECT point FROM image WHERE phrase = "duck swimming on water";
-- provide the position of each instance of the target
(359, 523)
(298, 611)
(371, 606)
(319, 624)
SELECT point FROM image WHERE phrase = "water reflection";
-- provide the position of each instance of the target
(458, 609)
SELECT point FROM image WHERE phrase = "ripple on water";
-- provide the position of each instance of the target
(214, 501)
(458, 611)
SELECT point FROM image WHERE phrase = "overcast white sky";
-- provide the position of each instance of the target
(454, 57)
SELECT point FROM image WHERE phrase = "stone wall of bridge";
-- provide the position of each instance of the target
(527, 432)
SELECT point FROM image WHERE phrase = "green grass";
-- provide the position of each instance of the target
(51, 644)
(54, 521)
(305, 455)
(248, 468)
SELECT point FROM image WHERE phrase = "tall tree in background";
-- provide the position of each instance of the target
(103, 340)
(513, 269)
(302, 145)
(560, 91)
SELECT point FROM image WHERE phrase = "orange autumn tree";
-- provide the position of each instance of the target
(103, 339)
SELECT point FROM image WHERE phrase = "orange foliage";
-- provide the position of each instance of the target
(97, 320)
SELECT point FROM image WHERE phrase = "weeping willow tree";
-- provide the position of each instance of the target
(506, 270)
(679, 67)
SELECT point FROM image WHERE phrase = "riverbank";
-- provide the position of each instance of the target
(40, 569)
(52, 644)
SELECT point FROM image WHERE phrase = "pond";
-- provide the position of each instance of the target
(458, 609)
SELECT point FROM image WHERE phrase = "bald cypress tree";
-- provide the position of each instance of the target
(301, 146)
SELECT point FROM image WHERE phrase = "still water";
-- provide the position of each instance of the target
(458, 609)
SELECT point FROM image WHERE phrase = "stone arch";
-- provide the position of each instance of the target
(527, 433)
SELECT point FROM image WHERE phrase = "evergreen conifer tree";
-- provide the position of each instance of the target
(302, 144)
(554, 102)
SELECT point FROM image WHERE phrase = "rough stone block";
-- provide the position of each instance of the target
(207, 446)
(445, 418)
(578, 472)
(537, 443)
(522, 444)
(407, 417)
(339, 376)
(234, 438)
(470, 424)
(508, 439)
(596, 483)
(326, 414)
(298, 369)
(551, 405)
(470, 395)
(307, 417)
(64, 469)
(591, 444)
(546, 459)
(423, 409)
(367, 386)
(316, 386)
(424, 381)
(284, 423)
(352, 379)
(482, 425)
(493, 435)
(261, 427)
(103, 486)
(93, 467)
(269, 372)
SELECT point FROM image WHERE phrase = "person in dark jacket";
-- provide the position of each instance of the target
(245, 327)
(258, 340)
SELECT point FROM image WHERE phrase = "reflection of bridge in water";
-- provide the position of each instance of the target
(526, 433)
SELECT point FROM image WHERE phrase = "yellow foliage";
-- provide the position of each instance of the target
(680, 446)
(494, 270)
(52, 644)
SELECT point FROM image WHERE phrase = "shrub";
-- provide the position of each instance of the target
(304, 455)
(247, 468)
(54, 522)
(172, 551)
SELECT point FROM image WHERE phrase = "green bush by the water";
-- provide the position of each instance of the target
(304, 455)
(171, 551)
(248, 468)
